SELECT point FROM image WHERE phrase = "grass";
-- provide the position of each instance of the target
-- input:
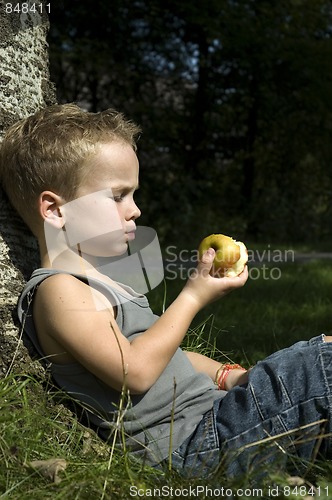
(279, 305)
(267, 314)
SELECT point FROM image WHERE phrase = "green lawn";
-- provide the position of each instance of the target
(278, 306)
(265, 315)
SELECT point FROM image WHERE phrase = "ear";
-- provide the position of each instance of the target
(50, 208)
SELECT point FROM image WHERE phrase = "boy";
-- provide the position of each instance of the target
(72, 176)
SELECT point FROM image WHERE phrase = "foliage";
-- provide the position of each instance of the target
(235, 101)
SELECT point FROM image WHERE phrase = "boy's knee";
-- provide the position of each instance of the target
(328, 338)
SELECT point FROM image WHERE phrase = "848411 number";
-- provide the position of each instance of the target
(27, 8)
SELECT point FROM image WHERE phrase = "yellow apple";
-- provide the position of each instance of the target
(231, 255)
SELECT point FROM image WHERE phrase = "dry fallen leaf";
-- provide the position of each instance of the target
(49, 468)
(87, 442)
(295, 481)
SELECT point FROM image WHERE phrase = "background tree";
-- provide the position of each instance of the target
(24, 87)
(235, 102)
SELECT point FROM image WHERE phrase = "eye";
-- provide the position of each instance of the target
(118, 198)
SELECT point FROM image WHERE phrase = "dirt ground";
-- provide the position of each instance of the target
(15, 357)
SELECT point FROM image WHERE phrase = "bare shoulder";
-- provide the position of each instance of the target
(61, 285)
(67, 314)
(66, 292)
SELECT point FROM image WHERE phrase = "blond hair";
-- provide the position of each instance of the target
(49, 151)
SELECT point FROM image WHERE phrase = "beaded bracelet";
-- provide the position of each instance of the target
(226, 369)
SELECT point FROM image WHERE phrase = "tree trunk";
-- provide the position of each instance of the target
(24, 88)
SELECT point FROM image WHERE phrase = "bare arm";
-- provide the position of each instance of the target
(212, 368)
(66, 313)
(204, 364)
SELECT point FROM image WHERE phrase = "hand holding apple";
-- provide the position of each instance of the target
(231, 255)
(203, 285)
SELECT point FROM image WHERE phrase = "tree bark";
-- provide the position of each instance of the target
(24, 87)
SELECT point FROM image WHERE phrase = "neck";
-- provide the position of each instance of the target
(71, 260)
(68, 259)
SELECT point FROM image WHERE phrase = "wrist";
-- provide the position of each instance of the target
(192, 301)
(227, 376)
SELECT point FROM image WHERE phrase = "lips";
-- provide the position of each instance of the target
(131, 234)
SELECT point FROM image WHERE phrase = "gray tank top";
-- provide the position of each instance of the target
(153, 422)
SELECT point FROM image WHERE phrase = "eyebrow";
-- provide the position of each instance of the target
(123, 187)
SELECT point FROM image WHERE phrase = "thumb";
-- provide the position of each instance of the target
(207, 258)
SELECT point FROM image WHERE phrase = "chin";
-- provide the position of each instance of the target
(119, 249)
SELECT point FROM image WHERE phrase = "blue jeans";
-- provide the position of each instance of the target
(283, 416)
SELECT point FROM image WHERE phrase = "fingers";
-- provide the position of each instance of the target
(241, 279)
(206, 288)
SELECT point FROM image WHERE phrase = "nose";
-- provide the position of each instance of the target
(134, 212)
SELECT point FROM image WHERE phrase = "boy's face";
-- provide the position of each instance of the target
(102, 217)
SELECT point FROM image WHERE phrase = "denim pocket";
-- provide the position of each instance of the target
(200, 452)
